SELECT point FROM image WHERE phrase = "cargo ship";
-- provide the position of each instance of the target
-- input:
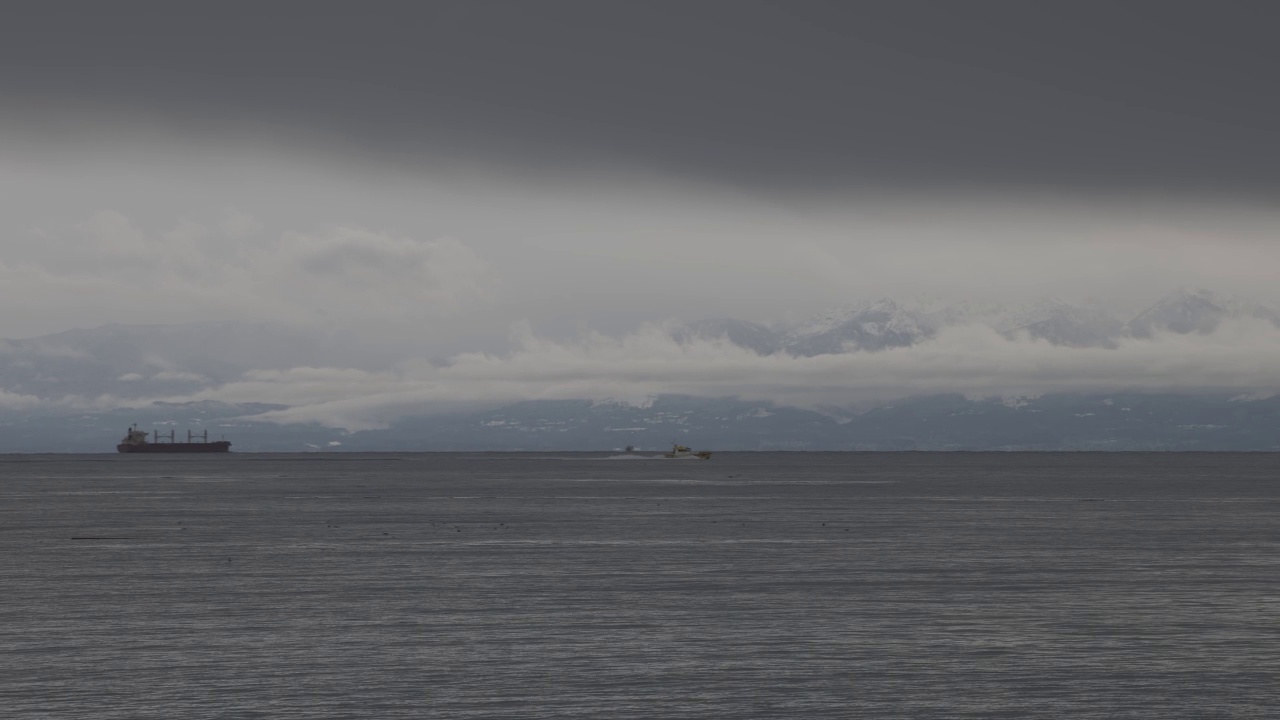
(135, 441)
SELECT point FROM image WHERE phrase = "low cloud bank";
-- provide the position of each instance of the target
(1241, 356)
(344, 274)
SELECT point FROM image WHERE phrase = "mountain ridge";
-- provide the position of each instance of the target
(947, 422)
(116, 372)
(884, 323)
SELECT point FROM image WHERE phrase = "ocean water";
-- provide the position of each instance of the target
(803, 585)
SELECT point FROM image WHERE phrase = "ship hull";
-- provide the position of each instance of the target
(220, 446)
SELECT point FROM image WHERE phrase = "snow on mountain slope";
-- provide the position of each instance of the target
(1199, 311)
(1060, 323)
(871, 326)
(1180, 312)
(884, 323)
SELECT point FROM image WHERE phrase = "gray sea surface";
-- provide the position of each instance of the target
(753, 585)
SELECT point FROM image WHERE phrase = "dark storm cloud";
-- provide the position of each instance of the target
(789, 95)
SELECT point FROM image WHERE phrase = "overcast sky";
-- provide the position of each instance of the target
(798, 97)
(460, 167)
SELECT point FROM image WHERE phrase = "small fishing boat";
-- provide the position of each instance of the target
(682, 451)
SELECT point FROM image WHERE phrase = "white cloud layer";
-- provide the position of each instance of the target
(1240, 356)
(437, 261)
(235, 268)
(246, 229)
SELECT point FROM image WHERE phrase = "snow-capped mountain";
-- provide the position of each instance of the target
(1061, 323)
(136, 361)
(1199, 311)
(867, 326)
(71, 380)
(1112, 421)
(1180, 312)
(884, 323)
(872, 326)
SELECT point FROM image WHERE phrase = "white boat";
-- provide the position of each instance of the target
(682, 451)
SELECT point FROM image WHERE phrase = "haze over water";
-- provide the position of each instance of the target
(552, 586)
